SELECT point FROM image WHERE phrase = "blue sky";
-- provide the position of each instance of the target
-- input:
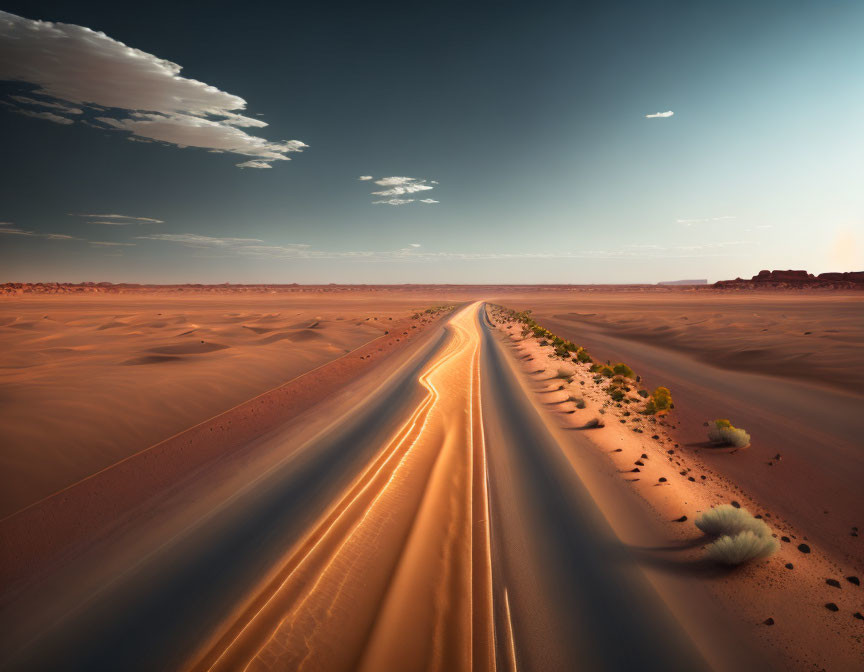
(529, 125)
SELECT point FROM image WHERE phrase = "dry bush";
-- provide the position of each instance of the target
(729, 520)
(724, 433)
(740, 548)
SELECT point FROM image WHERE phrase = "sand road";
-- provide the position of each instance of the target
(437, 526)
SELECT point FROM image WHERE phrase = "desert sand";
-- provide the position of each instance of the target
(503, 526)
(92, 378)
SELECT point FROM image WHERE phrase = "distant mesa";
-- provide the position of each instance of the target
(701, 281)
(796, 280)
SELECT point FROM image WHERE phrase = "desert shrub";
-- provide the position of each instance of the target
(564, 374)
(583, 356)
(616, 393)
(579, 401)
(727, 520)
(593, 422)
(723, 432)
(603, 370)
(660, 401)
(622, 369)
(643, 393)
(740, 548)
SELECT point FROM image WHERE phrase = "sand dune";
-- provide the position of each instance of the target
(88, 380)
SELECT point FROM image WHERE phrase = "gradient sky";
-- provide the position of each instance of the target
(529, 123)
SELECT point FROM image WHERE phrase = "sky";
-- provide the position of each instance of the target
(477, 142)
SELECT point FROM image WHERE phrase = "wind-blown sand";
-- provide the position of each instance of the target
(87, 380)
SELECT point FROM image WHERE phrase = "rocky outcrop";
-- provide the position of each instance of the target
(795, 280)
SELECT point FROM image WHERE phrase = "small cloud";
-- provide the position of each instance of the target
(105, 243)
(196, 240)
(700, 220)
(254, 164)
(117, 220)
(12, 230)
(414, 245)
(660, 115)
(394, 201)
(48, 116)
(364, 178)
(429, 200)
(68, 109)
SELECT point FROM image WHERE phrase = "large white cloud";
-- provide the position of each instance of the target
(141, 93)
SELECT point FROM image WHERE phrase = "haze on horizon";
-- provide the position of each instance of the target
(489, 143)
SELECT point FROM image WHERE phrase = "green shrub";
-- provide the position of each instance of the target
(660, 401)
(622, 369)
(583, 356)
(643, 393)
(724, 433)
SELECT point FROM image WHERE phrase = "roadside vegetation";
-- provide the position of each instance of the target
(723, 433)
(622, 384)
(741, 537)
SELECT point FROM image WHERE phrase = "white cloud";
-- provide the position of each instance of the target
(68, 109)
(118, 220)
(12, 230)
(364, 178)
(48, 116)
(143, 94)
(660, 115)
(254, 164)
(700, 220)
(401, 186)
(394, 201)
(414, 245)
(429, 200)
(196, 240)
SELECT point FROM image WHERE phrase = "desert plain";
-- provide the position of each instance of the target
(97, 382)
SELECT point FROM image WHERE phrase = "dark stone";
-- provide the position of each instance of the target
(853, 580)
(682, 519)
(768, 621)
(662, 479)
(786, 539)
(690, 478)
(858, 615)
(644, 456)
(834, 583)
(789, 565)
(635, 470)
(804, 548)
(655, 436)
(735, 504)
(830, 606)
(639, 463)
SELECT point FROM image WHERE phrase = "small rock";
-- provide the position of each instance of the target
(639, 463)
(768, 621)
(617, 450)
(671, 452)
(853, 580)
(830, 606)
(644, 456)
(702, 477)
(789, 565)
(635, 470)
(804, 548)
(786, 539)
(662, 479)
(735, 504)
(858, 615)
(834, 583)
(655, 436)
(682, 519)
(690, 478)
